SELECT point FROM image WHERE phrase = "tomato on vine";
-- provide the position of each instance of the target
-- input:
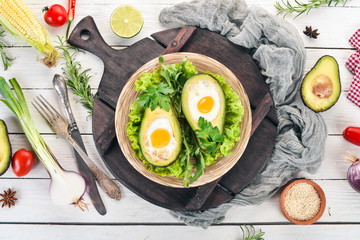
(55, 15)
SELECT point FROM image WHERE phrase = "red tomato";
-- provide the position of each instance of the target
(55, 16)
(22, 162)
(352, 134)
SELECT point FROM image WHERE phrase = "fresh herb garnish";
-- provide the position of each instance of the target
(171, 74)
(4, 57)
(188, 151)
(156, 96)
(192, 149)
(200, 164)
(76, 78)
(249, 234)
(209, 136)
(287, 8)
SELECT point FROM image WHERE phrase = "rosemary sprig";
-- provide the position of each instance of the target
(249, 233)
(76, 78)
(4, 57)
(287, 8)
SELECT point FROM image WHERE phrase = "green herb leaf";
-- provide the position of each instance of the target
(209, 136)
(156, 96)
(300, 7)
(172, 74)
(4, 57)
(188, 151)
(76, 78)
(249, 233)
(200, 164)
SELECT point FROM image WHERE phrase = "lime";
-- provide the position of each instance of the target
(126, 21)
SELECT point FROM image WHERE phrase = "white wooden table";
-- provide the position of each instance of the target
(35, 216)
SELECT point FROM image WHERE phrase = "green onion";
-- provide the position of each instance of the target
(66, 187)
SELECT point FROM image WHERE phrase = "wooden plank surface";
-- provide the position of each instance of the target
(134, 218)
(34, 206)
(109, 232)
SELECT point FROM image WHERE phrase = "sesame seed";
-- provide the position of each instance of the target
(302, 202)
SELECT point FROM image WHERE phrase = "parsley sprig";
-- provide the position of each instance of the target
(156, 96)
(76, 78)
(208, 135)
(4, 57)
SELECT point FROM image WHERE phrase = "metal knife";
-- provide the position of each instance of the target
(60, 87)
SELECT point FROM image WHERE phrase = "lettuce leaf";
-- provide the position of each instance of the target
(181, 167)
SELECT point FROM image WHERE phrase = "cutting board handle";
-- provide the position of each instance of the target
(87, 36)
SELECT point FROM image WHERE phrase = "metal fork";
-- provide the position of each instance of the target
(60, 127)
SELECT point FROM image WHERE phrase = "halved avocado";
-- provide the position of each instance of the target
(321, 86)
(5, 148)
(160, 122)
(186, 102)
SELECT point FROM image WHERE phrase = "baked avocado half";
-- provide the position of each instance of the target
(5, 148)
(203, 96)
(321, 86)
(160, 137)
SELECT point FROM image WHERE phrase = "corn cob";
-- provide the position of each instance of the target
(17, 18)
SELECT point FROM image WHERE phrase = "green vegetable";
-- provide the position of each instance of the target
(4, 57)
(171, 74)
(249, 234)
(156, 96)
(76, 78)
(18, 19)
(287, 8)
(175, 76)
(66, 187)
(209, 136)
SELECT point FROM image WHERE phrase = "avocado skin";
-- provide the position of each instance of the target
(335, 78)
(4, 146)
(194, 124)
(177, 131)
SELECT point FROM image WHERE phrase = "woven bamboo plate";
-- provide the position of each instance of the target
(129, 95)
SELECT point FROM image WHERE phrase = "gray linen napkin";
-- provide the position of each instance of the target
(280, 54)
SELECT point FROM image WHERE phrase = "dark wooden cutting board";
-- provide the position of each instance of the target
(119, 65)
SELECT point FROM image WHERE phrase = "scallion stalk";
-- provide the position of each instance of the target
(66, 187)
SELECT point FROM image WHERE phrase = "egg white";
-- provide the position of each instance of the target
(199, 90)
(164, 152)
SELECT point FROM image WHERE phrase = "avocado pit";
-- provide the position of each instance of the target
(323, 86)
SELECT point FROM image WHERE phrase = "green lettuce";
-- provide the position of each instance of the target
(181, 167)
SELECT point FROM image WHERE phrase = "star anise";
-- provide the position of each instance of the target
(311, 33)
(8, 198)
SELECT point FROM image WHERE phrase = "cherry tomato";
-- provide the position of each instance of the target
(22, 162)
(55, 16)
(352, 134)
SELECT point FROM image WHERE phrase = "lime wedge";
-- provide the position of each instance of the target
(126, 21)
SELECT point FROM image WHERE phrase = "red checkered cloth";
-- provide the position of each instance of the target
(353, 64)
(354, 92)
(355, 40)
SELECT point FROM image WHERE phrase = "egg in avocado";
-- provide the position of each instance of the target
(160, 137)
(203, 96)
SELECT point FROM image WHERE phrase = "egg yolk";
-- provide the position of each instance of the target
(205, 104)
(160, 138)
